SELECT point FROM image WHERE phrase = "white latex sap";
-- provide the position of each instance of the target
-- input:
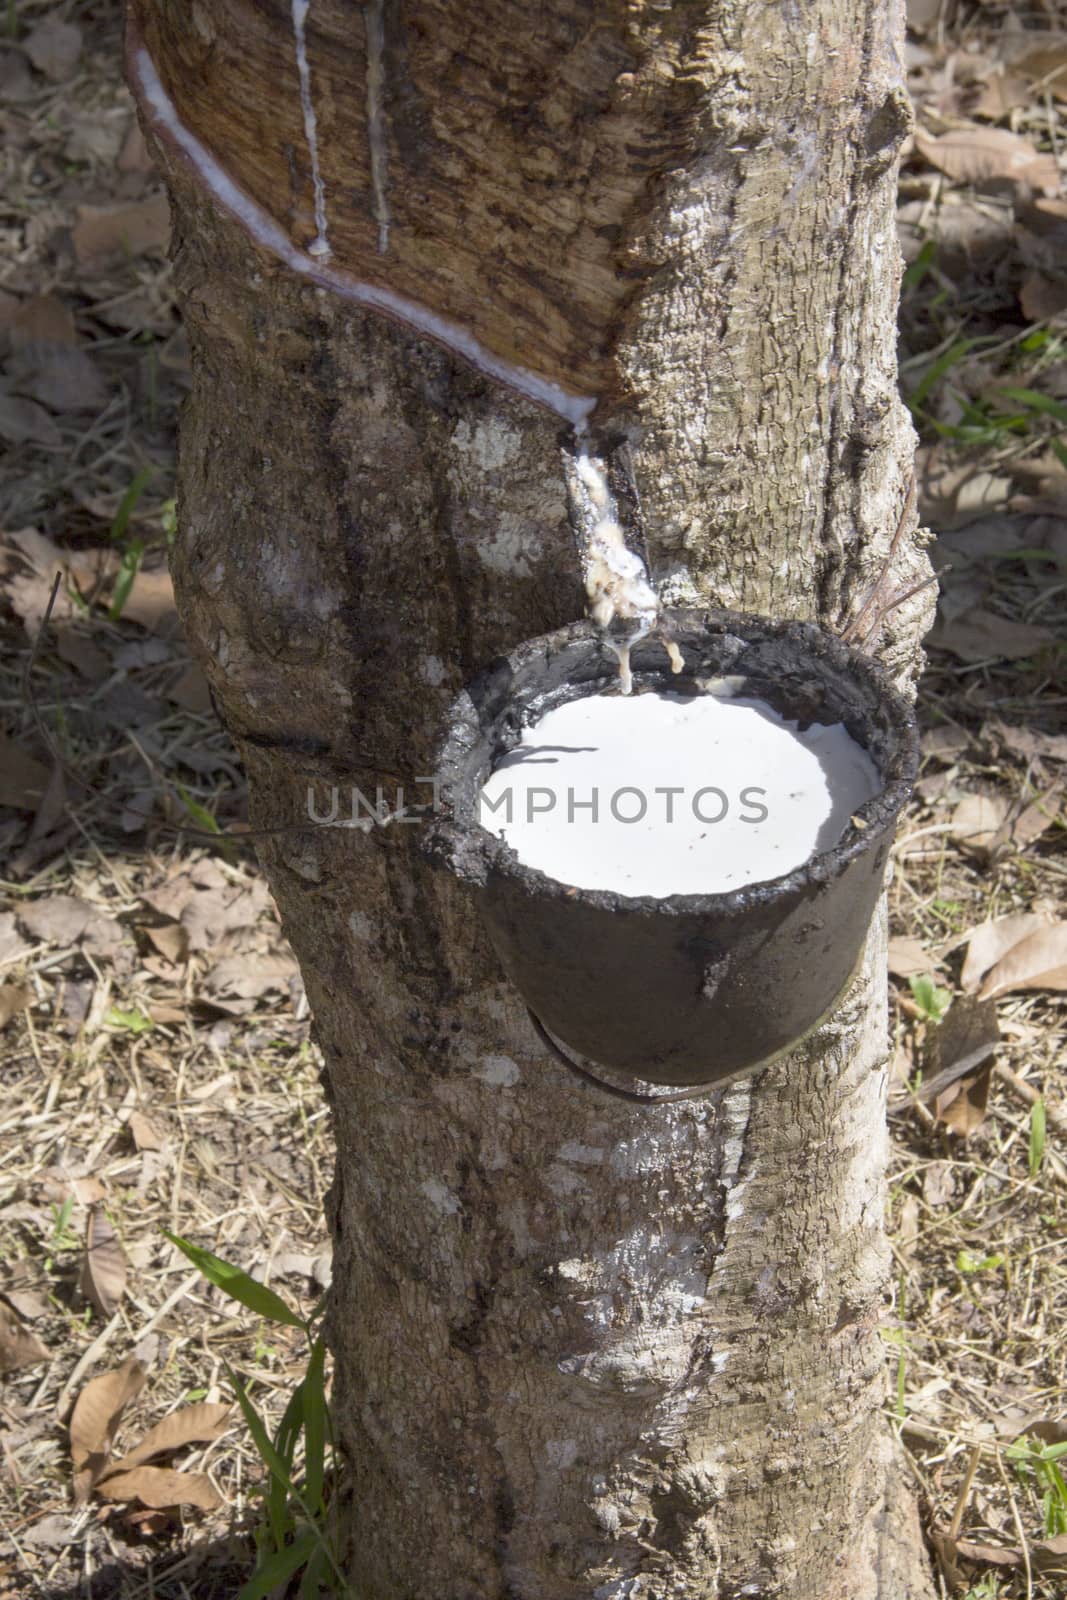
(660, 794)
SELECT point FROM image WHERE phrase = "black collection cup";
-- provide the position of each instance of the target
(692, 988)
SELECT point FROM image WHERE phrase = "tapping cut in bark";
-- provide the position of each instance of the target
(585, 1349)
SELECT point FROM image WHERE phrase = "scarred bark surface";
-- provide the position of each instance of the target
(584, 1349)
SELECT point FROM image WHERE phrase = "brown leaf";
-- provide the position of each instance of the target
(42, 316)
(12, 945)
(989, 941)
(172, 941)
(977, 820)
(19, 1347)
(1049, 1556)
(159, 1487)
(53, 1532)
(1048, 63)
(249, 977)
(103, 1270)
(160, 1011)
(105, 234)
(978, 155)
(1001, 95)
(53, 804)
(54, 47)
(988, 1555)
(210, 914)
(151, 603)
(80, 653)
(22, 777)
(14, 997)
(145, 1134)
(1037, 962)
(939, 1184)
(909, 957)
(134, 156)
(1029, 743)
(1036, 818)
(945, 742)
(59, 1186)
(25, 422)
(196, 1424)
(59, 377)
(959, 1045)
(64, 919)
(984, 636)
(962, 1108)
(1041, 297)
(191, 692)
(95, 1420)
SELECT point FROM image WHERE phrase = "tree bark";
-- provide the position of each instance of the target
(583, 1348)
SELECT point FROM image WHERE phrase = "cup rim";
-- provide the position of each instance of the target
(461, 842)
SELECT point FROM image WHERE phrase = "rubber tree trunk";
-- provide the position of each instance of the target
(583, 1348)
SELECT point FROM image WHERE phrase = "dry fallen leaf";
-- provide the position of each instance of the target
(1036, 818)
(909, 957)
(172, 941)
(1047, 1556)
(962, 1108)
(159, 1487)
(1046, 63)
(201, 1423)
(1029, 743)
(103, 1269)
(984, 636)
(64, 919)
(987, 942)
(191, 692)
(95, 1420)
(151, 602)
(1037, 962)
(1042, 297)
(907, 1236)
(80, 653)
(25, 422)
(939, 1184)
(12, 945)
(19, 1347)
(145, 1134)
(22, 778)
(977, 820)
(59, 377)
(54, 47)
(250, 977)
(42, 316)
(978, 155)
(14, 997)
(105, 234)
(956, 1065)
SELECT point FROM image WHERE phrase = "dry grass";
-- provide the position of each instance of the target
(129, 1014)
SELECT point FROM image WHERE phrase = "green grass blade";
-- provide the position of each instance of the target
(1037, 1137)
(237, 1283)
(275, 1465)
(919, 267)
(280, 1567)
(128, 503)
(1034, 400)
(314, 1580)
(937, 369)
(280, 1471)
(313, 1395)
(277, 1491)
(128, 570)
